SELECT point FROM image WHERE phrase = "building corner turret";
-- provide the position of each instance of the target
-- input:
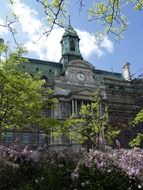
(127, 72)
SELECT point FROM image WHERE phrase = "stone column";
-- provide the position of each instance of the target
(76, 112)
(56, 111)
(59, 109)
(81, 102)
(73, 110)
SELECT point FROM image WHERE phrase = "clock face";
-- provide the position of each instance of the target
(80, 76)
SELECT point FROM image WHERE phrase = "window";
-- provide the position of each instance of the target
(41, 138)
(72, 45)
(26, 138)
(9, 137)
(64, 109)
(44, 78)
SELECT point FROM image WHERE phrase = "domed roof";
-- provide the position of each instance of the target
(69, 31)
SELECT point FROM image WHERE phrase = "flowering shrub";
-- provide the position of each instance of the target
(115, 169)
(56, 169)
(130, 161)
(18, 166)
(19, 153)
(25, 169)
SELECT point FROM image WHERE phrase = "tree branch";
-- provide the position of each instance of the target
(53, 12)
(9, 26)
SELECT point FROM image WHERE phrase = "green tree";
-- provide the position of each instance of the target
(138, 140)
(22, 98)
(92, 127)
(139, 117)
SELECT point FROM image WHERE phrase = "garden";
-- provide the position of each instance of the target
(24, 169)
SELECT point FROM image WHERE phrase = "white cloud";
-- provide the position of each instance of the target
(47, 48)
(50, 48)
(88, 46)
(28, 18)
(107, 44)
(31, 27)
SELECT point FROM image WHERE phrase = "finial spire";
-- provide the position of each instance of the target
(69, 21)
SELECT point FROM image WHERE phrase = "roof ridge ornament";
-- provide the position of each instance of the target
(69, 21)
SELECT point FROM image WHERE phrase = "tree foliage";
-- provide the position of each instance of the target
(139, 117)
(55, 11)
(137, 122)
(92, 126)
(21, 100)
(136, 142)
(110, 14)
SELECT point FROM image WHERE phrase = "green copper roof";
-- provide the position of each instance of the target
(108, 74)
(43, 62)
(44, 69)
(69, 31)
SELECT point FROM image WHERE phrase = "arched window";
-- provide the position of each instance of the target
(44, 78)
(72, 45)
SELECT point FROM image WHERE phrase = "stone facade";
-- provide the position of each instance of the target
(74, 81)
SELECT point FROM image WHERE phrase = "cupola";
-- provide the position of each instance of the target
(70, 45)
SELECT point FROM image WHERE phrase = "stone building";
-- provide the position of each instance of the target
(74, 80)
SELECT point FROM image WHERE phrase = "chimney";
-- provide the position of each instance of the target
(1, 41)
(126, 72)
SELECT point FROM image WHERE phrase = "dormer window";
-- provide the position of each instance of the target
(72, 45)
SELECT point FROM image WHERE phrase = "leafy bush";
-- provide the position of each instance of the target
(66, 170)
(110, 178)
(13, 176)
(113, 169)
(55, 172)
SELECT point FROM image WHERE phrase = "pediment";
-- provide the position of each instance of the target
(73, 93)
(87, 92)
(80, 64)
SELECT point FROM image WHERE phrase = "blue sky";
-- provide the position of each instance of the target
(110, 55)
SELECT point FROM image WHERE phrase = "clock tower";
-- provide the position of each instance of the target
(70, 46)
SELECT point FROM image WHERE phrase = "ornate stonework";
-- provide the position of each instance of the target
(75, 80)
